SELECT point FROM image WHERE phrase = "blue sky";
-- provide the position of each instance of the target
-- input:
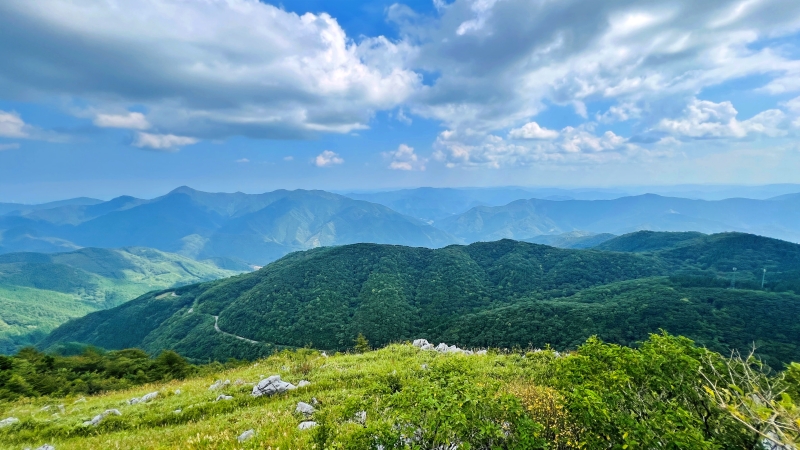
(103, 98)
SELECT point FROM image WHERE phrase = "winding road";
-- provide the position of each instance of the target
(216, 327)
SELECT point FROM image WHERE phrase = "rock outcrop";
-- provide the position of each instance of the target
(271, 386)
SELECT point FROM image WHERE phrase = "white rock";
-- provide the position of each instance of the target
(271, 386)
(324, 355)
(177, 392)
(480, 352)
(314, 401)
(219, 384)
(46, 447)
(428, 347)
(143, 399)
(9, 421)
(303, 383)
(223, 397)
(307, 425)
(361, 417)
(246, 435)
(177, 411)
(420, 343)
(99, 418)
(239, 382)
(80, 400)
(442, 348)
(304, 408)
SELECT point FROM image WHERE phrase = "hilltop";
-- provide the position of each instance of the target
(499, 293)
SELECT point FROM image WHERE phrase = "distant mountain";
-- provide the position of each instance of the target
(573, 239)
(505, 293)
(432, 204)
(6, 208)
(649, 241)
(41, 291)
(525, 218)
(253, 228)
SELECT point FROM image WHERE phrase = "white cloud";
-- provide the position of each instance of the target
(404, 158)
(704, 119)
(327, 159)
(243, 161)
(288, 158)
(211, 69)
(166, 142)
(532, 130)
(11, 146)
(133, 121)
(12, 125)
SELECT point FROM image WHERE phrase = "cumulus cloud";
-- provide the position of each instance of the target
(501, 63)
(12, 125)
(210, 69)
(132, 121)
(404, 158)
(11, 146)
(327, 159)
(163, 142)
(704, 119)
(532, 130)
(243, 161)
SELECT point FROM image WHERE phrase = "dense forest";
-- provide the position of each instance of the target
(497, 294)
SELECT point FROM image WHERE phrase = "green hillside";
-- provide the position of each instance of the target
(39, 292)
(500, 293)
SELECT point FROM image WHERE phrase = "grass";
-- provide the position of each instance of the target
(342, 384)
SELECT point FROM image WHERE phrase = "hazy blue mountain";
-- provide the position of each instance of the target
(252, 228)
(431, 204)
(6, 208)
(526, 218)
(649, 241)
(573, 239)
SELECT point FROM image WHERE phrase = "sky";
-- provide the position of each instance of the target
(108, 97)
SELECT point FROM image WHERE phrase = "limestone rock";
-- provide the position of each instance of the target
(304, 408)
(271, 386)
(9, 421)
(46, 447)
(219, 384)
(99, 418)
(420, 343)
(303, 383)
(361, 417)
(246, 435)
(223, 397)
(307, 425)
(143, 399)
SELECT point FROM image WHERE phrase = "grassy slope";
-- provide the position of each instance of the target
(44, 291)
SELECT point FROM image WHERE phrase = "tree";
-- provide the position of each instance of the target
(362, 344)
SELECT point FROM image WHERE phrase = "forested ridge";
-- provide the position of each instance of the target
(496, 294)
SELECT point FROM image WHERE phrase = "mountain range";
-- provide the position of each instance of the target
(502, 294)
(237, 229)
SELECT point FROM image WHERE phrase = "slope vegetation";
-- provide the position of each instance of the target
(38, 291)
(504, 292)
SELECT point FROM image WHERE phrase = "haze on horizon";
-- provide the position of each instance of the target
(102, 98)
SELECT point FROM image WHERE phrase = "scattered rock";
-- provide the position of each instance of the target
(481, 352)
(324, 355)
(314, 401)
(45, 408)
(424, 367)
(223, 397)
(143, 399)
(99, 418)
(46, 447)
(80, 400)
(239, 382)
(177, 392)
(420, 342)
(304, 408)
(360, 417)
(10, 421)
(307, 425)
(246, 435)
(177, 411)
(219, 384)
(303, 383)
(271, 386)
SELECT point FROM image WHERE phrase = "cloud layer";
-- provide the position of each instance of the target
(634, 72)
